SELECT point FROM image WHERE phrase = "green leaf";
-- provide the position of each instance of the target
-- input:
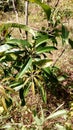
(65, 34)
(6, 26)
(41, 39)
(21, 43)
(61, 78)
(26, 89)
(46, 49)
(15, 84)
(25, 68)
(47, 71)
(71, 43)
(45, 7)
(9, 57)
(2, 58)
(43, 93)
(43, 62)
(21, 95)
(41, 89)
(8, 102)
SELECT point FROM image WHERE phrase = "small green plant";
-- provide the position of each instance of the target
(26, 62)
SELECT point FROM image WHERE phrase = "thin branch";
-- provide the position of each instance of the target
(16, 13)
(58, 57)
(26, 17)
(57, 3)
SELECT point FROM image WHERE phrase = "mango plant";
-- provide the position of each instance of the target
(24, 64)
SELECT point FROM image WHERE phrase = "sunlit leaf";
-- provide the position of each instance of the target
(43, 62)
(26, 89)
(2, 92)
(21, 43)
(61, 78)
(25, 68)
(4, 48)
(1, 109)
(5, 26)
(60, 127)
(33, 88)
(43, 93)
(17, 88)
(57, 114)
(14, 51)
(4, 104)
(41, 89)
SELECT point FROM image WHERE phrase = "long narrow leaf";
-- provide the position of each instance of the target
(5, 26)
(57, 114)
(40, 40)
(71, 43)
(21, 43)
(43, 62)
(41, 89)
(4, 48)
(45, 7)
(46, 49)
(25, 68)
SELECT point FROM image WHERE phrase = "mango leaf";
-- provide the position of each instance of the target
(60, 127)
(13, 56)
(43, 62)
(43, 93)
(14, 51)
(46, 49)
(57, 114)
(4, 104)
(15, 84)
(2, 58)
(21, 95)
(1, 109)
(26, 89)
(71, 43)
(65, 34)
(17, 88)
(8, 102)
(33, 88)
(4, 48)
(8, 57)
(61, 78)
(47, 70)
(45, 7)
(41, 39)
(21, 43)
(6, 26)
(41, 89)
(25, 68)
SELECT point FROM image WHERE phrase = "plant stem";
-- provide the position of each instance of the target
(58, 57)
(26, 17)
(15, 10)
